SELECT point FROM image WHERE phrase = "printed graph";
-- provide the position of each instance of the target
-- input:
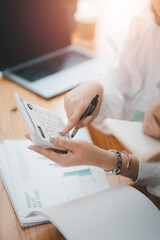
(79, 173)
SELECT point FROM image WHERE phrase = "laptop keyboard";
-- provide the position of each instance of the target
(50, 66)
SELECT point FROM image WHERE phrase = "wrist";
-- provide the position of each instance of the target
(133, 170)
(106, 160)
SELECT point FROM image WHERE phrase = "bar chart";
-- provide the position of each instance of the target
(79, 173)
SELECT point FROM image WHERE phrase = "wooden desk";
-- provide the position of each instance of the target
(12, 127)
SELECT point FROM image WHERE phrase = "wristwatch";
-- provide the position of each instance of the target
(117, 169)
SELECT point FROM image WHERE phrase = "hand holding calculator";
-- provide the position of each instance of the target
(42, 124)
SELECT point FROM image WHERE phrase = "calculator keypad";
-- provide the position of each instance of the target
(50, 122)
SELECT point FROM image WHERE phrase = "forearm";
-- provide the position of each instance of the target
(133, 170)
(108, 162)
(141, 173)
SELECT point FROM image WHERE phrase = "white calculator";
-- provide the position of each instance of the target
(41, 123)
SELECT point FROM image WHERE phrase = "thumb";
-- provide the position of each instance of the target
(64, 143)
(86, 121)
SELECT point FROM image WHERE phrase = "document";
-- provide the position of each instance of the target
(118, 213)
(34, 182)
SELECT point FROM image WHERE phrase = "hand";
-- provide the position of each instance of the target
(76, 102)
(79, 153)
(83, 153)
(151, 121)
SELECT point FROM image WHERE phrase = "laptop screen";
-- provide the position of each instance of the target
(32, 28)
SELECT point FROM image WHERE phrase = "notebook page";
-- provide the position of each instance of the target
(39, 183)
(121, 212)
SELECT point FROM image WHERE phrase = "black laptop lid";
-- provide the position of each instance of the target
(32, 28)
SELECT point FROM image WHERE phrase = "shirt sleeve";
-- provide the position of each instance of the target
(112, 101)
(149, 174)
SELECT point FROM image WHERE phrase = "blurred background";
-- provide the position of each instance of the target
(30, 29)
(111, 19)
(101, 25)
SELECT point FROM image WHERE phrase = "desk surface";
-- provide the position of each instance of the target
(12, 127)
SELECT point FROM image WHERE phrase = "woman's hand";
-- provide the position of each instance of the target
(76, 102)
(151, 121)
(79, 153)
(83, 153)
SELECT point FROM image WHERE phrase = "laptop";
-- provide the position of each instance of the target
(36, 49)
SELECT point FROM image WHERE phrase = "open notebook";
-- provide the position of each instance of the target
(119, 213)
(131, 136)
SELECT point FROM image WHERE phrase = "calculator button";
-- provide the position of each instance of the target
(29, 106)
(50, 121)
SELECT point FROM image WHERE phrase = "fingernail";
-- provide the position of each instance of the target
(52, 140)
(26, 136)
(61, 133)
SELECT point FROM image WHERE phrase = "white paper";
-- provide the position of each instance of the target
(131, 135)
(35, 182)
(121, 213)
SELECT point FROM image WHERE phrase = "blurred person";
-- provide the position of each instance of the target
(131, 85)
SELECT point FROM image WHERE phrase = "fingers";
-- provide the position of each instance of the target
(48, 153)
(65, 143)
(69, 126)
(84, 122)
(61, 159)
(64, 160)
(28, 136)
(77, 101)
(151, 126)
(156, 110)
(73, 119)
(74, 122)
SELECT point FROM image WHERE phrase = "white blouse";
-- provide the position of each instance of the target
(149, 175)
(134, 82)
